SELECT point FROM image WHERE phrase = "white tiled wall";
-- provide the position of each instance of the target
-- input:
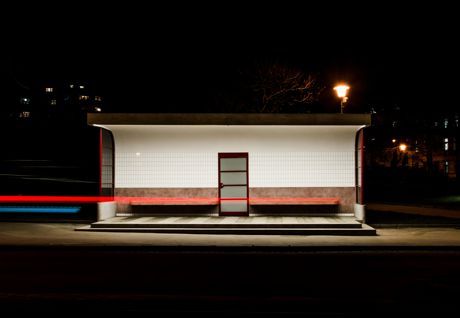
(165, 169)
(279, 156)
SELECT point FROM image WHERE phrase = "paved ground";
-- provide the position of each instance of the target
(64, 234)
(51, 268)
(397, 225)
(415, 210)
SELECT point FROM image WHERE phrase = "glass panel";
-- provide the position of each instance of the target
(227, 164)
(233, 206)
(233, 192)
(233, 177)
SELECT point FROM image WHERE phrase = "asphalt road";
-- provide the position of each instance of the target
(228, 281)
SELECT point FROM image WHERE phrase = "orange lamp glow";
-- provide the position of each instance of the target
(342, 90)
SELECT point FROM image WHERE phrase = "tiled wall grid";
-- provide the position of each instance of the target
(279, 156)
(200, 169)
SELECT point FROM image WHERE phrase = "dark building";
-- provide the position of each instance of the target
(412, 157)
(48, 149)
(43, 100)
(423, 142)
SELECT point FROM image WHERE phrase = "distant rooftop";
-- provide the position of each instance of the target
(227, 119)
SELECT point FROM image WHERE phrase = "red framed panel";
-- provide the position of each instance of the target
(100, 161)
(103, 143)
(359, 166)
(221, 185)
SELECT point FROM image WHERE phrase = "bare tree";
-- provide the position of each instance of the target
(278, 88)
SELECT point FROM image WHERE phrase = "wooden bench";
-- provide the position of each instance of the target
(294, 206)
(208, 206)
(172, 206)
(294, 201)
(174, 201)
(252, 201)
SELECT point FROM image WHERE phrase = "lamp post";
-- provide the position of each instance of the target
(342, 94)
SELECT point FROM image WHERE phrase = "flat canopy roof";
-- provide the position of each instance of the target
(227, 119)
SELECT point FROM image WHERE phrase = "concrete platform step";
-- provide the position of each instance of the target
(223, 226)
(364, 230)
(228, 222)
(289, 225)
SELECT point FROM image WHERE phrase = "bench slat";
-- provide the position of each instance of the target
(294, 201)
(175, 201)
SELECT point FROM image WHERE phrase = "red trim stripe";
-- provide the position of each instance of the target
(159, 200)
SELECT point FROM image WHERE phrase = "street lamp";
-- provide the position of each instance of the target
(342, 94)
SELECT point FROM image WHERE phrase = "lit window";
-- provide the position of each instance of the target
(49, 89)
(25, 100)
(446, 122)
(83, 97)
(71, 85)
(446, 167)
(53, 102)
(98, 98)
(81, 86)
(446, 144)
(394, 123)
(24, 114)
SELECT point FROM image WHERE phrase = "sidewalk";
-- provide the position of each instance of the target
(16, 234)
(415, 210)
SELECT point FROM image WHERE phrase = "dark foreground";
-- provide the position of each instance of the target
(229, 281)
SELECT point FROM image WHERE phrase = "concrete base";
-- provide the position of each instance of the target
(106, 210)
(360, 212)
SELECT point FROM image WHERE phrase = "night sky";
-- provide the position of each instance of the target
(162, 59)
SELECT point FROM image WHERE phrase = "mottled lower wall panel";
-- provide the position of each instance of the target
(167, 192)
(345, 194)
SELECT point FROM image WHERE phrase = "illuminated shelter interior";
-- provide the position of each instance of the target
(233, 164)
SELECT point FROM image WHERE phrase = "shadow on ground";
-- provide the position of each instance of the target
(380, 219)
